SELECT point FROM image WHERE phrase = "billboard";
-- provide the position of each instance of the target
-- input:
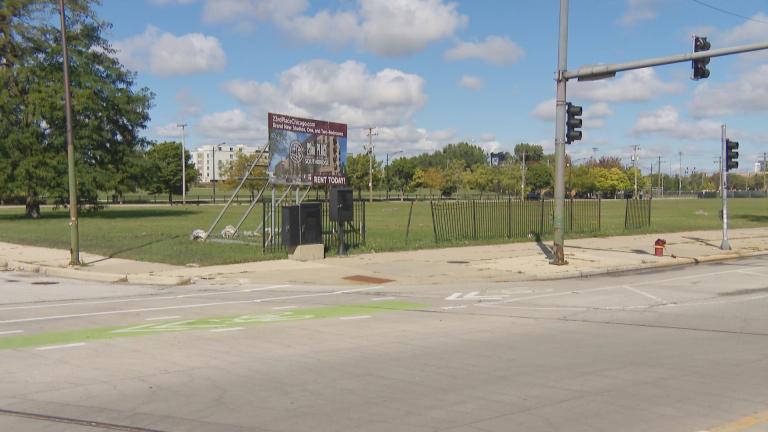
(306, 151)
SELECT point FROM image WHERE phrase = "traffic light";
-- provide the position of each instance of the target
(573, 123)
(731, 155)
(700, 70)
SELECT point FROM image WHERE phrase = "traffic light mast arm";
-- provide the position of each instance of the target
(587, 73)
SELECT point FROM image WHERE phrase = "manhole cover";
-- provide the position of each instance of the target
(367, 279)
(44, 283)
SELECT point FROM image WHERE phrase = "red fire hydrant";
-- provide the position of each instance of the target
(659, 247)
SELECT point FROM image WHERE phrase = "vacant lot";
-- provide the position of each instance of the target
(161, 233)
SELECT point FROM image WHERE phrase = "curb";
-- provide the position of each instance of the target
(74, 273)
(680, 261)
(150, 279)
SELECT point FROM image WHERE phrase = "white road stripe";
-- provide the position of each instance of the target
(52, 347)
(355, 317)
(382, 298)
(454, 307)
(162, 318)
(645, 294)
(7, 332)
(226, 329)
(190, 306)
(283, 307)
(147, 298)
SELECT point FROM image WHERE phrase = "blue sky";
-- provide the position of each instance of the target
(429, 72)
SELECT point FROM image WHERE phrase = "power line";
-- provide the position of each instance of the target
(728, 12)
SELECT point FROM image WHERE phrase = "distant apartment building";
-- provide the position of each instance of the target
(759, 166)
(219, 156)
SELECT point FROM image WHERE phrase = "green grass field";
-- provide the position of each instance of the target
(161, 233)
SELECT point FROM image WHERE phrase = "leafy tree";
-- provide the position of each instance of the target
(471, 155)
(480, 178)
(454, 178)
(608, 181)
(582, 179)
(400, 175)
(532, 152)
(507, 179)
(539, 177)
(431, 178)
(166, 169)
(234, 172)
(107, 112)
(357, 171)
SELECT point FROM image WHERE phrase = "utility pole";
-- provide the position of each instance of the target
(522, 170)
(634, 165)
(562, 64)
(661, 179)
(680, 175)
(183, 165)
(370, 163)
(724, 245)
(74, 232)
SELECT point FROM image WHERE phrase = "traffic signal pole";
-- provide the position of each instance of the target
(724, 245)
(562, 63)
(598, 72)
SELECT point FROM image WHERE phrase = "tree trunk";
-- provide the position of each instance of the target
(32, 206)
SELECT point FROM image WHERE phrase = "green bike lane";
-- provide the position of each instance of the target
(77, 337)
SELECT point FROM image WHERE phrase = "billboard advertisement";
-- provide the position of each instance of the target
(306, 151)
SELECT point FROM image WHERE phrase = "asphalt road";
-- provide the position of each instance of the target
(681, 349)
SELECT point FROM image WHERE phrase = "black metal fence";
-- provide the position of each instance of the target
(499, 219)
(354, 231)
(637, 213)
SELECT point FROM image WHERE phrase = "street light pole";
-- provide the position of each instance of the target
(634, 165)
(680, 175)
(562, 62)
(370, 164)
(74, 232)
(183, 165)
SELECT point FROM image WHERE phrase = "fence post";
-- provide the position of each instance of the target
(626, 212)
(599, 214)
(434, 227)
(649, 212)
(571, 214)
(364, 226)
(263, 224)
(474, 220)
(408, 227)
(541, 216)
(509, 218)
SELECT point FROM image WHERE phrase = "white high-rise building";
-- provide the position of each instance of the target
(218, 156)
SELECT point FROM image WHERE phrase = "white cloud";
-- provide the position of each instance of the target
(666, 122)
(384, 27)
(471, 82)
(593, 116)
(638, 10)
(167, 2)
(748, 94)
(232, 126)
(494, 50)
(189, 104)
(408, 137)
(170, 130)
(344, 92)
(749, 31)
(545, 110)
(245, 12)
(165, 54)
(633, 86)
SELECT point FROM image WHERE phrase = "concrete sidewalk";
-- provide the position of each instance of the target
(458, 265)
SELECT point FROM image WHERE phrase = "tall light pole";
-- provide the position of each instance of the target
(74, 232)
(370, 163)
(183, 165)
(680, 174)
(386, 171)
